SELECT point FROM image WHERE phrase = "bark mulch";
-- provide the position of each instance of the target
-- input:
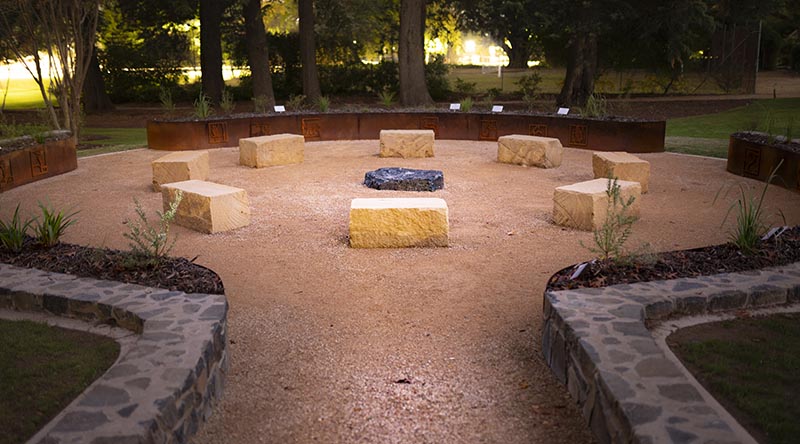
(172, 273)
(715, 259)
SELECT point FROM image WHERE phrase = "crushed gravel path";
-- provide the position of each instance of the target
(330, 344)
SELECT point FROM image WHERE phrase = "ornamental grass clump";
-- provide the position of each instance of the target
(51, 227)
(150, 243)
(610, 237)
(14, 233)
(751, 222)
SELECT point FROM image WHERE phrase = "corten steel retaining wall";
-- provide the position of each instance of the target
(40, 161)
(598, 135)
(756, 161)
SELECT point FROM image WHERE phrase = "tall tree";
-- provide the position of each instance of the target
(258, 53)
(211, 48)
(413, 89)
(308, 50)
(95, 97)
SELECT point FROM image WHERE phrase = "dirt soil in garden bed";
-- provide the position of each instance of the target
(715, 259)
(334, 344)
(101, 263)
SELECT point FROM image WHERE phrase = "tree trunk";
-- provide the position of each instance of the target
(95, 98)
(518, 53)
(308, 51)
(211, 49)
(413, 89)
(581, 71)
(258, 54)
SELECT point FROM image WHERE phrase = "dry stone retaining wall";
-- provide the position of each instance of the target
(163, 387)
(596, 342)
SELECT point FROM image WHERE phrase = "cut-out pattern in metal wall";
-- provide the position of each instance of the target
(752, 162)
(488, 130)
(6, 176)
(258, 129)
(536, 129)
(578, 135)
(38, 162)
(217, 132)
(431, 123)
(311, 128)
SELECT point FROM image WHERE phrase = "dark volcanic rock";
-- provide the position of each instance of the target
(404, 179)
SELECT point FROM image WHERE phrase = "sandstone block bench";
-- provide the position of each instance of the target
(208, 207)
(623, 166)
(584, 205)
(265, 151)
(177, 167)
(541, 152)
(406, 143)
(399, 222)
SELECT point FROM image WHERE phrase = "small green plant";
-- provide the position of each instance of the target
(167, 104)
(13, 234)
(386, 97)
(789, 129)
(610, 237)
(52, 226)
(150, 244)
(226, 103)
(323, 103)
(750, 220)
(595, 106)
(466, 104)
(295, 103)
(465, 88)
(260, 104)
(529, 85)
(202, 107)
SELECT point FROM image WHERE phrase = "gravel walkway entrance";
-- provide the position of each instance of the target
(330, 344)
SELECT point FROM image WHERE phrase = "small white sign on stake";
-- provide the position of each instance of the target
(280, 109)
(455, 106)
(563, 111)
(497, 109)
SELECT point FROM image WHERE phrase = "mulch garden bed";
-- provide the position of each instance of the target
(172, 273)
(727, 258)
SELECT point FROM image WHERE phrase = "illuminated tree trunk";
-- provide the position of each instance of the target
(413, 89)
(581, 70)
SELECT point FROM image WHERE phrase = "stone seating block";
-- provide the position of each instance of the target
(265, 151)
(584, 205)
(541, 152)
(407, 143)
(398, 222)
(208, 207)
(623, 166)
(177, 167)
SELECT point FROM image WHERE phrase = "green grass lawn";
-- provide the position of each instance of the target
(112, 140)
(752, 364)
(708, 135)
(22, 94)
(43, 369)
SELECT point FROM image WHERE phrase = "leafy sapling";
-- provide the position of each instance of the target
(150, 243)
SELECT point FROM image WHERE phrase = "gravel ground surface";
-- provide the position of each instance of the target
(331, 344)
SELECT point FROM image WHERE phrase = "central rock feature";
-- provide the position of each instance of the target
(404, 179)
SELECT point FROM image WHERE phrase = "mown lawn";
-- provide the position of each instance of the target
(42, 369)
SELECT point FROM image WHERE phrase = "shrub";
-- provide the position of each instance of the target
(465, 88)
(529, 84)
(167, 104)
(260, 104)
(202, 107)
(436, 78)
(52, 226)
(295, 103)
(610, 238)
(150, 244)
(13, 234)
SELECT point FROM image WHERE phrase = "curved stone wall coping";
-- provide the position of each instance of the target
(597, 342)
(162, 386)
